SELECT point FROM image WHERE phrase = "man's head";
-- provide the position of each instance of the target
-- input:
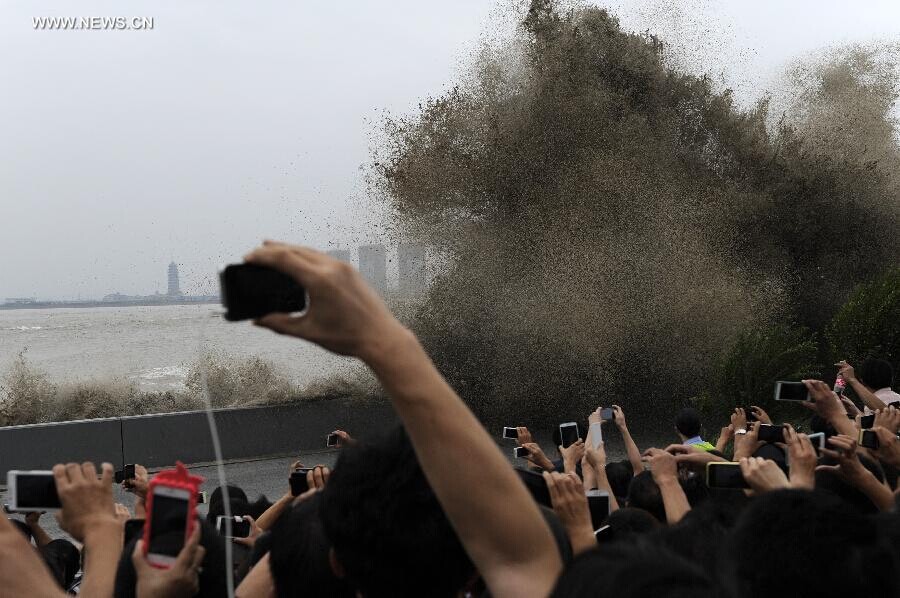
(687, 423)
(643, 493)
(876, 374)
(388, 531)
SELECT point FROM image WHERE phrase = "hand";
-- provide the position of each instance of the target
(726, 432)
(619, 417)
(594, 417)
(888, 418)
(697, 460)
(596, 457)
(845, 371)
(803, 459)
(87, 502)
(662, 464)
(849, 466)
(345, 316)
(888, 449)
(572, 454)
(537, 457)
(122, 513)
(681, 449)
(140, 484)
(571, 506)
(523, 436)
(739, 419)
(33, 519)
(182, 579)
(849, 406)
(345, 438)
(255, 532)
(763, 475)
(317, 477)
(760, 414)
(747, 444)
(824, 401)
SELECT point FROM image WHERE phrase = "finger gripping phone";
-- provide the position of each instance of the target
(240, 528)
(725, 475)
(298, 481)
(568, 434)
(250, 291)
(770, 433)
(791, 391)
(510, 433)
(607, 414)
(32, 491)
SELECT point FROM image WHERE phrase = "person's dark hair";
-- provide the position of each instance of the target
(700, 534)
(801, 529)
(63, 559)
(632, 570)
(687, 422)
(644, 494)
(236, 497)
(627, 523)
(876, 373)
(299, 554)
(695, 489)
(258, 506)
(212, 572)
(619, 474)
(829, 481)
(386, 526)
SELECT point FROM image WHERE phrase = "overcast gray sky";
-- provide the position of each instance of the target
(234, 121)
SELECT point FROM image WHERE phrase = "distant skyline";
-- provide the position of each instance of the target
(229, 123)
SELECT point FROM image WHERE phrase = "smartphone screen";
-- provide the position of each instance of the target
(791, 391)
(331, 440)
(770, 433)
(520, 452)
(867, 421)
(598, 504)
(569, 434)
(868, 439)
(725, 475)
(510, 433)
(251, 291)
(607, 414)
(298, 481)
(36, 490)
(168, 522)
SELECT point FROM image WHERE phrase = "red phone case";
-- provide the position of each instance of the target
(181, 479)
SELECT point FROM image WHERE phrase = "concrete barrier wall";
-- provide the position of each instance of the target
(160, 440)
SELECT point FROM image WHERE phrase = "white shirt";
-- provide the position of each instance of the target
(885, 395)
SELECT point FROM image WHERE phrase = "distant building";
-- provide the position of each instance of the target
(174, 287)
(340, 254)
(411, 266)
(373, 266)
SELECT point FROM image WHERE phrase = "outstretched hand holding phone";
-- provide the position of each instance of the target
(345, 316)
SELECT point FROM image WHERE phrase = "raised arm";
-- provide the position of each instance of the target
(483, 503)
(664, 468)
(865, 395)
(631, 447)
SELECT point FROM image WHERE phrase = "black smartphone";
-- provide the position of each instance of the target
(725, 475)
(239, 527)
(126, 473)
(868, 439)
(791, 391)
(250, 291)
(867, 421)
(598, 504)
(510, 433)
(568, 434)
(607, 414)
(332, 440)
(134, 528)
(770, 433)
(520, 452)
(298, 480)
(536, 485)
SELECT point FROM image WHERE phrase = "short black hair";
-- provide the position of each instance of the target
(876, 373)
(619, 474)
(643, 493)
(687, 422)
(237, 498)
(299, 554)
(386, 526)
(807, 526)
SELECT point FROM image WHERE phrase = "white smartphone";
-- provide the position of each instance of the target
(568, 434)
(168, 524)
(240, 528)
(596, 434)
(32, 491)
(510, 433)
(598, 505)
(818, 441)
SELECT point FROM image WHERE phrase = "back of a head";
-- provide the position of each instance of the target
(386, 526)
(643, 493)
(802, 543)
(619, 474)
(687, 422)
(298, 556)
(63, 559)
(237, 499)
(632, 570)
(627, 523)
(831, 481)
(876, 373)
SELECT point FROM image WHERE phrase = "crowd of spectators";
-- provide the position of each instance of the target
(436, 508)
